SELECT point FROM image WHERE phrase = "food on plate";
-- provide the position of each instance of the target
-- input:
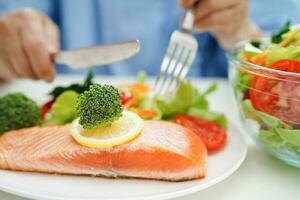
(57, 91)
(187, 99)
(63, 109)
(269, 94)
(99, 106)
(213, 135)
(120, 131)
(76, 87)
(163, 150)
(17, 111)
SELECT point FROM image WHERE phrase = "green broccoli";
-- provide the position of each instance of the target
(17, 111)
(100, 106)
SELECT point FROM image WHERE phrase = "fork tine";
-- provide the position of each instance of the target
(181, 64)
(177, 60)
(173, 65)
(185, 69)
(165, 63)
(168, 69)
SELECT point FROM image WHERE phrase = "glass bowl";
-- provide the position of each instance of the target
(268, 101)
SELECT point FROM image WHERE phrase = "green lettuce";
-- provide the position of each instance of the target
(278, 36)
(76, 87)
(278, 53)
(141, 77)
(280, 139)
(187, 99)
(63, 109)
(148, 103)
(243, 81)
(262, 118)
(275, 134)
(290, 33)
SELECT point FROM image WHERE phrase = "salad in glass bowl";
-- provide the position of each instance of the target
(265, 77)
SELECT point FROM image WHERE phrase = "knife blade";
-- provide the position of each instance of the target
(97, 55)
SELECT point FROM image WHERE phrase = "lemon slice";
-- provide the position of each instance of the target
(123, 130)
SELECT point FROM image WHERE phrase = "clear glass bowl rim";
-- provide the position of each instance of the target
(240, 45)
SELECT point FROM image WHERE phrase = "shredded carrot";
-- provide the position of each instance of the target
(131, 103)
(138, 89)
(259, 59)
(296, 43)
(287, 40)
(247, 56)
(146, 113)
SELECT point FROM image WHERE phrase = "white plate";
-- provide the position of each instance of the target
(59, 187)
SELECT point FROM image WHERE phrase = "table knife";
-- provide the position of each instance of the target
(97, 55)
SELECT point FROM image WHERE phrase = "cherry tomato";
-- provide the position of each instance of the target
(45, 108)
(278, 95)
(213, 136)
(125, 98)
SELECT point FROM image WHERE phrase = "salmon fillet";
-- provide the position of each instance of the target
(163, 150)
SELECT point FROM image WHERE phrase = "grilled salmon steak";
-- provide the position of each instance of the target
(163, 150)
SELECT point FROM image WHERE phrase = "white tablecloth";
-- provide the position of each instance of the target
(260, 177)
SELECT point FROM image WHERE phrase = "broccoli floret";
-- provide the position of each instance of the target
(17, 111)
(100, 106)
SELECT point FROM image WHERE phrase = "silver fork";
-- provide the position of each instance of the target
(178, 58)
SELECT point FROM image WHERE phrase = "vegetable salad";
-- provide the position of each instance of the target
(271, 98)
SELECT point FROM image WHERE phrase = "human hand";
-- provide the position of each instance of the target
(27, 40)
(227, 20)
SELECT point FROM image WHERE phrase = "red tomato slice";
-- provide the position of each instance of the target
(46, 107)
(288, 65)
(213, 136)
(125, 98)
(278, 95)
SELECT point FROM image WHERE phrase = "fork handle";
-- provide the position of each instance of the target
(188, 22)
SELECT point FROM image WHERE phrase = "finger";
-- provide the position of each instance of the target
(6, 70)
(216, 20)
(35, 46)
(51, 33)
(187, 4)
(206, 7)
(18, 59)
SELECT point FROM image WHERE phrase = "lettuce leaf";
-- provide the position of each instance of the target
(276, 135)
(278, 53)
(177, 102)
(76, 87)
(141, 77)
(290, 33)
(262, 118)
(148, 103)
(289, 136)
(271, 139)
(243, 81)
(278, 36)
(63, 109)
(281, 141)
(187, 99)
